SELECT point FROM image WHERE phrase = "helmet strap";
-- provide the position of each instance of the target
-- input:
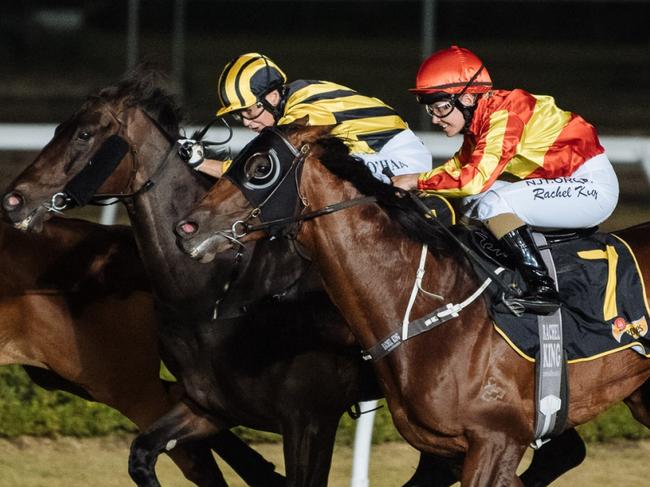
(276, 111)
(467, 111)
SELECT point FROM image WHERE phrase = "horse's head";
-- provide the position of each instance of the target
(258, 192)
(95, 152)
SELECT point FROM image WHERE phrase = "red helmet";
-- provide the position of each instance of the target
(454, 70)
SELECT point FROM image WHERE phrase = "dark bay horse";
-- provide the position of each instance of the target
(76, 307)
(286, 364)
(459, 390)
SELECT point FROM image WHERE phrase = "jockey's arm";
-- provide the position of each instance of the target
(211, 167)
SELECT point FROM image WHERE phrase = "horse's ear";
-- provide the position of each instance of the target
(301, 122)
(319, 131)
(314, 131)
(299, 135)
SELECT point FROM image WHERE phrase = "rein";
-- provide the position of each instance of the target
(326, 210)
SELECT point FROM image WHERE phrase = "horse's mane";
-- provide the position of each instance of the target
(336, 157)
(145, 88)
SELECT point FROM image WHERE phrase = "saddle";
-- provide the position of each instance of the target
(601, 288)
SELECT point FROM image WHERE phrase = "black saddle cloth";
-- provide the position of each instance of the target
(604, 309)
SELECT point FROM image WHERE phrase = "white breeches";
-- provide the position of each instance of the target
(584, 199)
(403, 154)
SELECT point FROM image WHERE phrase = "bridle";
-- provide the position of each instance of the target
(241, 228)
(293, 162)
(63, 200)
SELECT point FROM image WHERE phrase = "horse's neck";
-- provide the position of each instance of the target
(369, 270)
(269, 268)
(153, 215)
(68, 255)
(24, 257)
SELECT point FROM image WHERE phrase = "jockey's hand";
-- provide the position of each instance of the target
(406, 181)
(192, 152)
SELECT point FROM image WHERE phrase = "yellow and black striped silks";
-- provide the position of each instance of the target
(366, 124)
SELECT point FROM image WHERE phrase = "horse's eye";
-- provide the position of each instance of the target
(258, 166)
(84, 135)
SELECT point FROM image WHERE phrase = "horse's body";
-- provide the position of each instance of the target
(76, 307)
(459, 390)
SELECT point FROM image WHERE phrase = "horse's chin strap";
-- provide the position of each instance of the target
(59, 202)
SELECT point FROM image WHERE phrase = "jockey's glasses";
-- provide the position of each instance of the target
(250, 113)
(440, 109)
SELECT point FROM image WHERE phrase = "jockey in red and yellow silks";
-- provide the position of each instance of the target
(514, 132)
(523, 161)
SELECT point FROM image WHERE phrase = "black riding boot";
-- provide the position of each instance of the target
(541, 297)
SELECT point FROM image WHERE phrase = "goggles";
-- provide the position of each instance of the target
(440, 109)
(250, 113)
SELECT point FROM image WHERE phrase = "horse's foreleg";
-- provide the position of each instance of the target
(492, 460)
(179, 426)
(308, 445)
(555, 458)
(252, 467)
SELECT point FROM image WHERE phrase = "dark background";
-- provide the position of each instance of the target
(593, 56)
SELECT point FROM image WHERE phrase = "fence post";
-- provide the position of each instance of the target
(362, 445)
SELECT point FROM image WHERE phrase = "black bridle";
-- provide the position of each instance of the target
(264, 202)
(63, 199)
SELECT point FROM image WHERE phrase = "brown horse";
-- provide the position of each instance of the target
(77, 309)
(459, 390)
(268, 368)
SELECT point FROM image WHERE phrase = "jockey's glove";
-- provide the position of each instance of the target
(192, 152)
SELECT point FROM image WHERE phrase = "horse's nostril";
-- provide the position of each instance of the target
(188, 228)
(12, 201)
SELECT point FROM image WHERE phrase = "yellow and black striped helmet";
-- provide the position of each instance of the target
(245, 80)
